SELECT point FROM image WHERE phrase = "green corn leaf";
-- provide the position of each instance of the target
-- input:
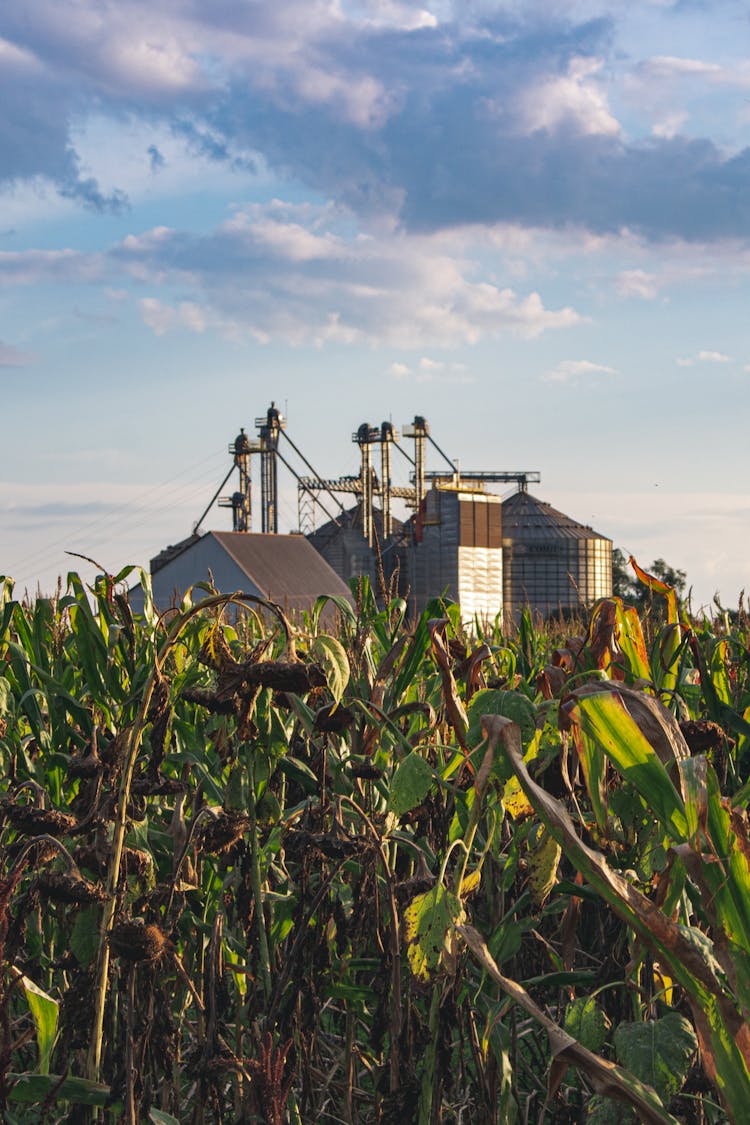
(718, 668)
(684, 954)
(34, 1089)
(631, 641)
(332, 656)
(603, 717)
(44, 1010)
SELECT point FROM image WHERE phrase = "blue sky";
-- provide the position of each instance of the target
(529, 222)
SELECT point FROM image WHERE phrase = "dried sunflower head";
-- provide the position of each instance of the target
(37, 822)
(73, 889)
(222, 831)
(134, 940)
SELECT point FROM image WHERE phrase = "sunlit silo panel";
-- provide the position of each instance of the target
(458, 551)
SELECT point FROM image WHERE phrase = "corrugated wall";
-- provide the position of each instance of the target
(460, 553)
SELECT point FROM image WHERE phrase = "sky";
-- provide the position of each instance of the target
(527, 221)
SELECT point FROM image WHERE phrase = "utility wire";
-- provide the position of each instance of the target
(114, 514)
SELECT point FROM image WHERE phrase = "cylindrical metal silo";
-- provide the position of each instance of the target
(551, 563)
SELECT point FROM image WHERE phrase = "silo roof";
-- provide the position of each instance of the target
(526, 517)
(351, 518)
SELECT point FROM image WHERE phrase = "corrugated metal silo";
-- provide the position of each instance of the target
(347, 551)
(551, 562)
(458, 550)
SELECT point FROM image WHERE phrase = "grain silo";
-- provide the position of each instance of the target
(458, 551)
(343, 545)
(551, 563)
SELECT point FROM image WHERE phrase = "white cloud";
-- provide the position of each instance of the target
(703, 357)
(714, 357)
(572, 99)
(638, 283)
(399, 370)
(28, 267)
(305, 275)
(668, 66)
(571, 370)
(432, 371)
(670, 125)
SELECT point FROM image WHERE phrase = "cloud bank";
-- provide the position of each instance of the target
(436, 116)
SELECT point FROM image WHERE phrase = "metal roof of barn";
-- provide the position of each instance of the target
(285, 567)
(526, 517)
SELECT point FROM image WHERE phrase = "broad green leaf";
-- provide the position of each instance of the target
(511, 704)
(658, 1051)
(410, 783)
(84, 936)
(332, 656)
(34, 1089)
(159, 1117)
(586, 1022)
(6, 696)
(429, 921)
(45, 1010)
(606, 1111)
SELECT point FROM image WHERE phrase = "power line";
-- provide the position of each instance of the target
(99, 523)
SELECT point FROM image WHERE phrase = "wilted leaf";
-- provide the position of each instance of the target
(470, 882)
(542, 861)
(517, 804)
(659, 587)
(454, 707)
(429, 921)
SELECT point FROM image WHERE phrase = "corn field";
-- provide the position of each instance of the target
(355, 869)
